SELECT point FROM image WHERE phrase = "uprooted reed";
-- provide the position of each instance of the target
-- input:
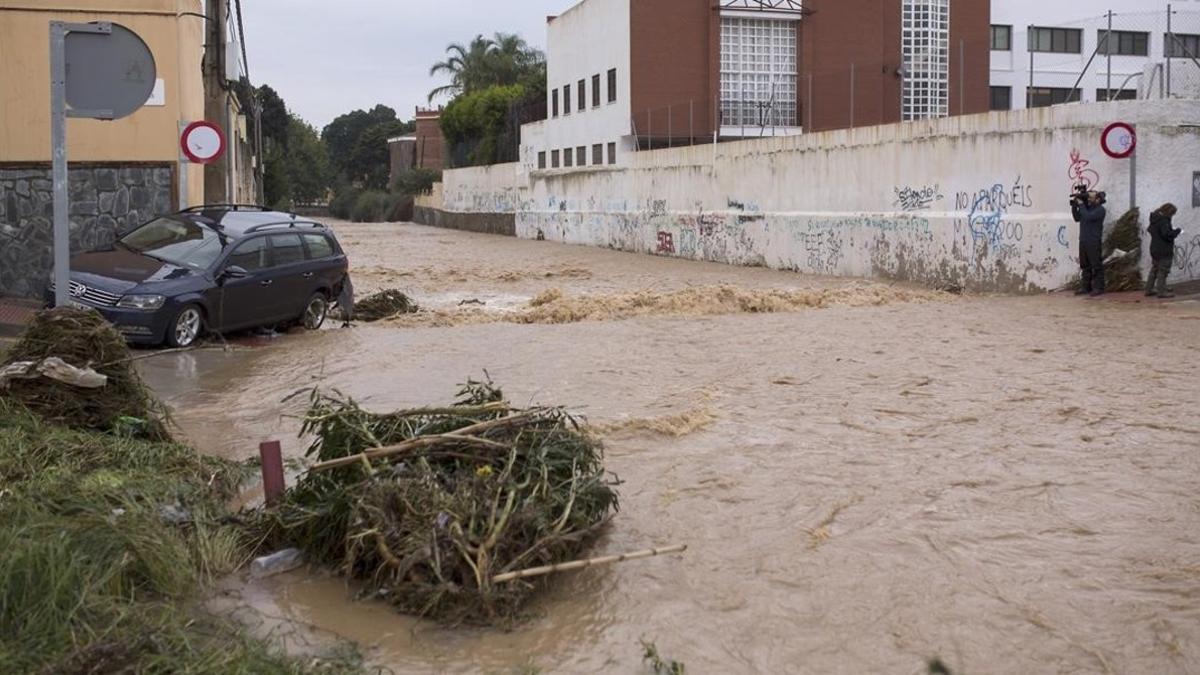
(426, 506)
(84, 339)
(383, 305)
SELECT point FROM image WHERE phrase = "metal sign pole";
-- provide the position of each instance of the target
(58, 153)
(1133, 176)
(58, 143)
(183, 171)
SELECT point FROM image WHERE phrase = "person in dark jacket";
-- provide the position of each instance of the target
(1162, 250)
(1089, 212)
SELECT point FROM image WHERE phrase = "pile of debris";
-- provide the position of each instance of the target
(433, 509)
(384, 305)
(72, 368)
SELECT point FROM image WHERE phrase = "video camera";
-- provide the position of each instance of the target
(1081, 195)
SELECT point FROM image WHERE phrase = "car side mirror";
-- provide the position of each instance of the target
(234, 272)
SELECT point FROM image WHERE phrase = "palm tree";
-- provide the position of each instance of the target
(467, 67)
(503, 59)
(512, 57)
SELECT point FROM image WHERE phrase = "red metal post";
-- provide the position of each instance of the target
(272, 470)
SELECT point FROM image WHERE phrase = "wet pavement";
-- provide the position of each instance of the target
(1008, 483)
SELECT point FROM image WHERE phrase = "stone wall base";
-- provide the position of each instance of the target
(487, 223)
(106, 199)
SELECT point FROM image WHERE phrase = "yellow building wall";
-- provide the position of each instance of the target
(149, 135)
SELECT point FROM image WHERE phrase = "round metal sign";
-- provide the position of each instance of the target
(1119, 140)
(202, 142)
(111, 72)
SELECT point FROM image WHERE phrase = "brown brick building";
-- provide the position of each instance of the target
(624, 74)
(422, 149)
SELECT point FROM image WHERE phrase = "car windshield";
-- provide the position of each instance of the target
(175, 241)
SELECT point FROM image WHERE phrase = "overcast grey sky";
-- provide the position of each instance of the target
(331, 57)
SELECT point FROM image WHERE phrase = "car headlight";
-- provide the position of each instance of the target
(141, 301)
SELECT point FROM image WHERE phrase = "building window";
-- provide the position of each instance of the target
(1124, 43)
(1181, 46)
(612, 85)
(554, 102)
(581, 155)
(612, 153)
(1057, 40)
(1001, 98)
(568, 157)
(582, 95)
(542, 159)
(1116, 95)
(595, 91)
(566, 99)
(553, 159)
(925, 51)
(1002, 38)
(758, 72)
(598, 154)
(1040, 97)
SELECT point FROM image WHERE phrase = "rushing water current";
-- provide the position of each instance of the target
(867, 476)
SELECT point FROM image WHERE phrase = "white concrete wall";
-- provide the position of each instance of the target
(589, 39)
(498, 188)
(978, 201)
(1011, 68)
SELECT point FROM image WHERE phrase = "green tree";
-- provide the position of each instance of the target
(274, 116)
(501, 60)
(369, 161)
(307, 163)
(479, 126)
(277, 188)
(343, 133)
(348, 157)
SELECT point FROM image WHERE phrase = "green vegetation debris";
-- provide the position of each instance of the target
(384, 305)
(461, 494)
(657, 663)
(84, 339)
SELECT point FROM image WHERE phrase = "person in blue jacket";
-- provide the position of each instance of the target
(1162, 250)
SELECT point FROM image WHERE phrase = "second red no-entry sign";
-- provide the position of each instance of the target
(202, 142)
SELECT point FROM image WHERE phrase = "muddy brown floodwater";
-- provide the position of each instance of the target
(864, 481)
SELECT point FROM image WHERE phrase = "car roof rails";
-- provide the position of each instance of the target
(286, 224)
(227, 207)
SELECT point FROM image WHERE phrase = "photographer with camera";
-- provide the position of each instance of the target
(1087, 208)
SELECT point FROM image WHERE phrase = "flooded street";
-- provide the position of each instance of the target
(866, 476)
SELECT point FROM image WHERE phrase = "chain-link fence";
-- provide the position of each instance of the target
(919, 84)
(1103, 57)
(500, 145)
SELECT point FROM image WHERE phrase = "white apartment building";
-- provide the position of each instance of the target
(1041, 48)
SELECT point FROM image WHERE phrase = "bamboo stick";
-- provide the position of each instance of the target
(462, 435)
(580, 564)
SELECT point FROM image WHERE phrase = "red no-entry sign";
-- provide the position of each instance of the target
(202, 142)
(1119, 140)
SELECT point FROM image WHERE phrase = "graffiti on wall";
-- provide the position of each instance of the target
(666, 244)
(987, 210)
(1079, 172)
(823, 248)
(1187, 257)
(917, 198)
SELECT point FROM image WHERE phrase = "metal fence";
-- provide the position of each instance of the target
(499, 148)
(1111, 56)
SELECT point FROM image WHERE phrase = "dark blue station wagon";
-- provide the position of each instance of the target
(221, 268)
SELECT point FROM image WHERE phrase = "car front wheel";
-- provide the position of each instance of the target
(315, 312)
(186, 328)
